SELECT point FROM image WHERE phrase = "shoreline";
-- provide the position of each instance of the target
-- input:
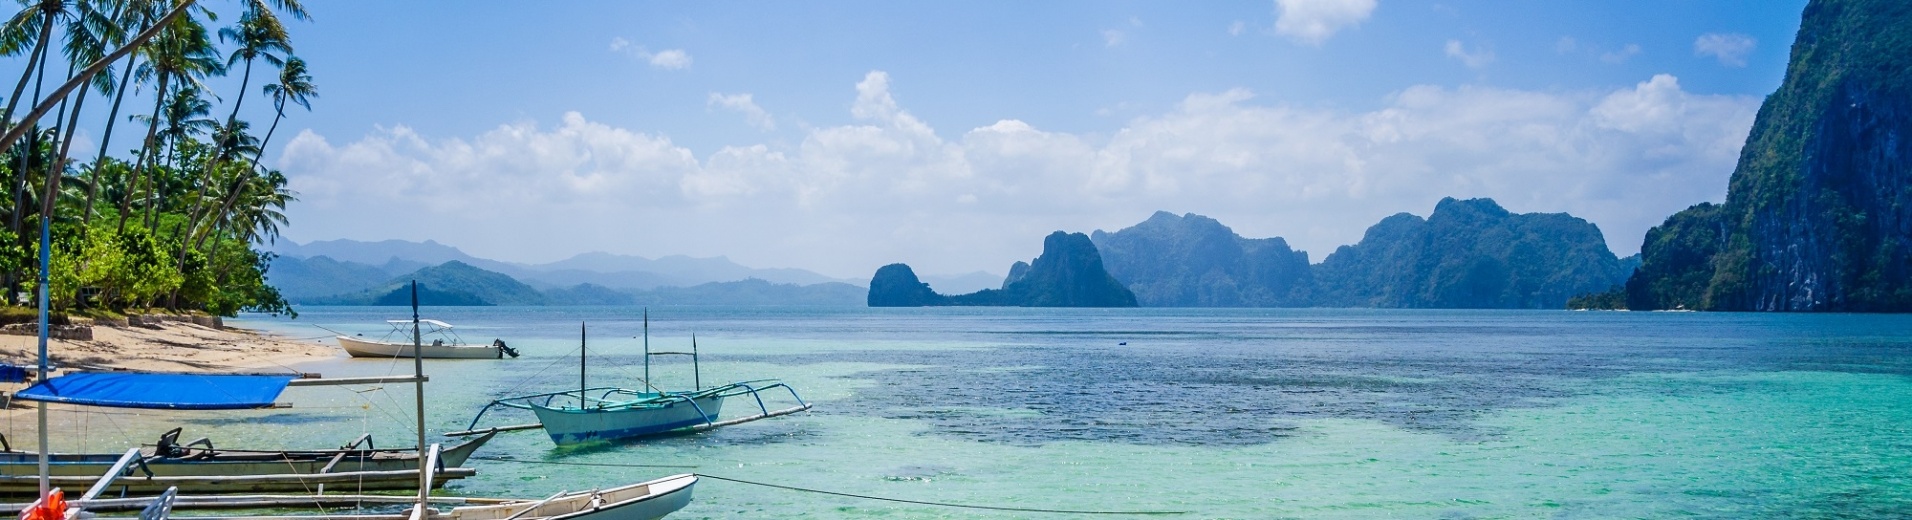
(172, 346)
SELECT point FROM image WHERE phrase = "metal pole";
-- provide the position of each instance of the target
(418, 373)
(46, 260)
(696, 374)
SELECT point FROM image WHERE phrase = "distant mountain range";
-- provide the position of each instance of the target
(350, 272)
(1466, 254)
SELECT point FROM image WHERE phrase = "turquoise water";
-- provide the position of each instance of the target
(1219, 413)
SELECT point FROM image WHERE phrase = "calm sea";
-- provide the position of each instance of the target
(1220, 413)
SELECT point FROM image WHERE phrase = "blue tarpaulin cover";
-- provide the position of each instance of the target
(161, 391)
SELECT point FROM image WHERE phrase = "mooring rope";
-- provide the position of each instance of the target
(851, 495)
(596, 464)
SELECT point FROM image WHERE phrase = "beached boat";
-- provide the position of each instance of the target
(445, 343)
(611, 413)
(198, 467)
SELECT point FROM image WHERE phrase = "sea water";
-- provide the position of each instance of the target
(1218, 413)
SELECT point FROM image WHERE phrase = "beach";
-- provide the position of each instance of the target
(172, 346)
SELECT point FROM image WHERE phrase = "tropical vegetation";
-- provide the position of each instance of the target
(180, 220)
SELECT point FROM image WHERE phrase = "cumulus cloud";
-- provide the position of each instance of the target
(1312, 22)
(742, 104)
(1729, 48)
(1478, 58)
(889, 187)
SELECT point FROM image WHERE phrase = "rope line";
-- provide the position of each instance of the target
(850, 495)
(944, 504)
(594, 464)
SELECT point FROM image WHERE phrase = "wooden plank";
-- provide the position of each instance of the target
(511, 428)
(357, 380)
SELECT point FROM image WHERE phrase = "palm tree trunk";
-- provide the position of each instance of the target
(39, 51)
(92, 186)
(192, 218)
(152, 130)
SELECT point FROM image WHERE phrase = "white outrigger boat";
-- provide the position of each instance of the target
(440, 347)
(612, 413)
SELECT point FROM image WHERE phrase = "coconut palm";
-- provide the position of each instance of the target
(294, 87)
(181, 53)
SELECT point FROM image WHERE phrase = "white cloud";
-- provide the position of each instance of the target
(1566, 44)
(668, 59)
(742, 104)
(1622, 55)
(1478, 58)
(887, 187)
(1730, 48)
(1236, 28)
(1311, 22)
(672, 59)
(1113, 37)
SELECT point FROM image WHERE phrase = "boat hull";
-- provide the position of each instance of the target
(381, 349)
(642, 501)
(571, 425)
(236, 471)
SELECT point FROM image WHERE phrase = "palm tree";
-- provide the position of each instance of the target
(295, 87)
(134, 16)
(17, 35)
(181, 52)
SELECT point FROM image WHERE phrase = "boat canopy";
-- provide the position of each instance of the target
(160, 391)
(433, 323)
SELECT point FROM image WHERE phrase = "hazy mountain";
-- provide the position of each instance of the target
(1818, 214)
(1195, 261)
(450, 283)
(754, 292)
(301, 278)
(609, 270)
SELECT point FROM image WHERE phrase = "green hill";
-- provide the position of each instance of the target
(1818, 214)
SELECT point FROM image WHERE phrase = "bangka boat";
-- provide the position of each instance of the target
(641, 501)
(611, 413)
(198, 467)
(445, 345)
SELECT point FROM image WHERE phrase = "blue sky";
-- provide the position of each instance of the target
(840, 136)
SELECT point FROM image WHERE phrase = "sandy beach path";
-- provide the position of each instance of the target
(173, 346)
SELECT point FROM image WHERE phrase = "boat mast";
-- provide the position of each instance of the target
(580, 365)
(647, 349)
(696, 374)
(418, 378)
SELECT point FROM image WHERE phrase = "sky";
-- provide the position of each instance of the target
(839, 136)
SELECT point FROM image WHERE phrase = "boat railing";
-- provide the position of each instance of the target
(162, 506)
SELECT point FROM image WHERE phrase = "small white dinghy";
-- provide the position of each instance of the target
(445, 343)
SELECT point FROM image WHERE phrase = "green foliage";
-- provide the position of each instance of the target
(1469, 254)
(1613, 299)
(452, 281)
(1816, 211)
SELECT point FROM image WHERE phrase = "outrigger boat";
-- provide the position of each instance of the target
(198, 467)
(640, 501)
(611, 413)
(446, 344)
